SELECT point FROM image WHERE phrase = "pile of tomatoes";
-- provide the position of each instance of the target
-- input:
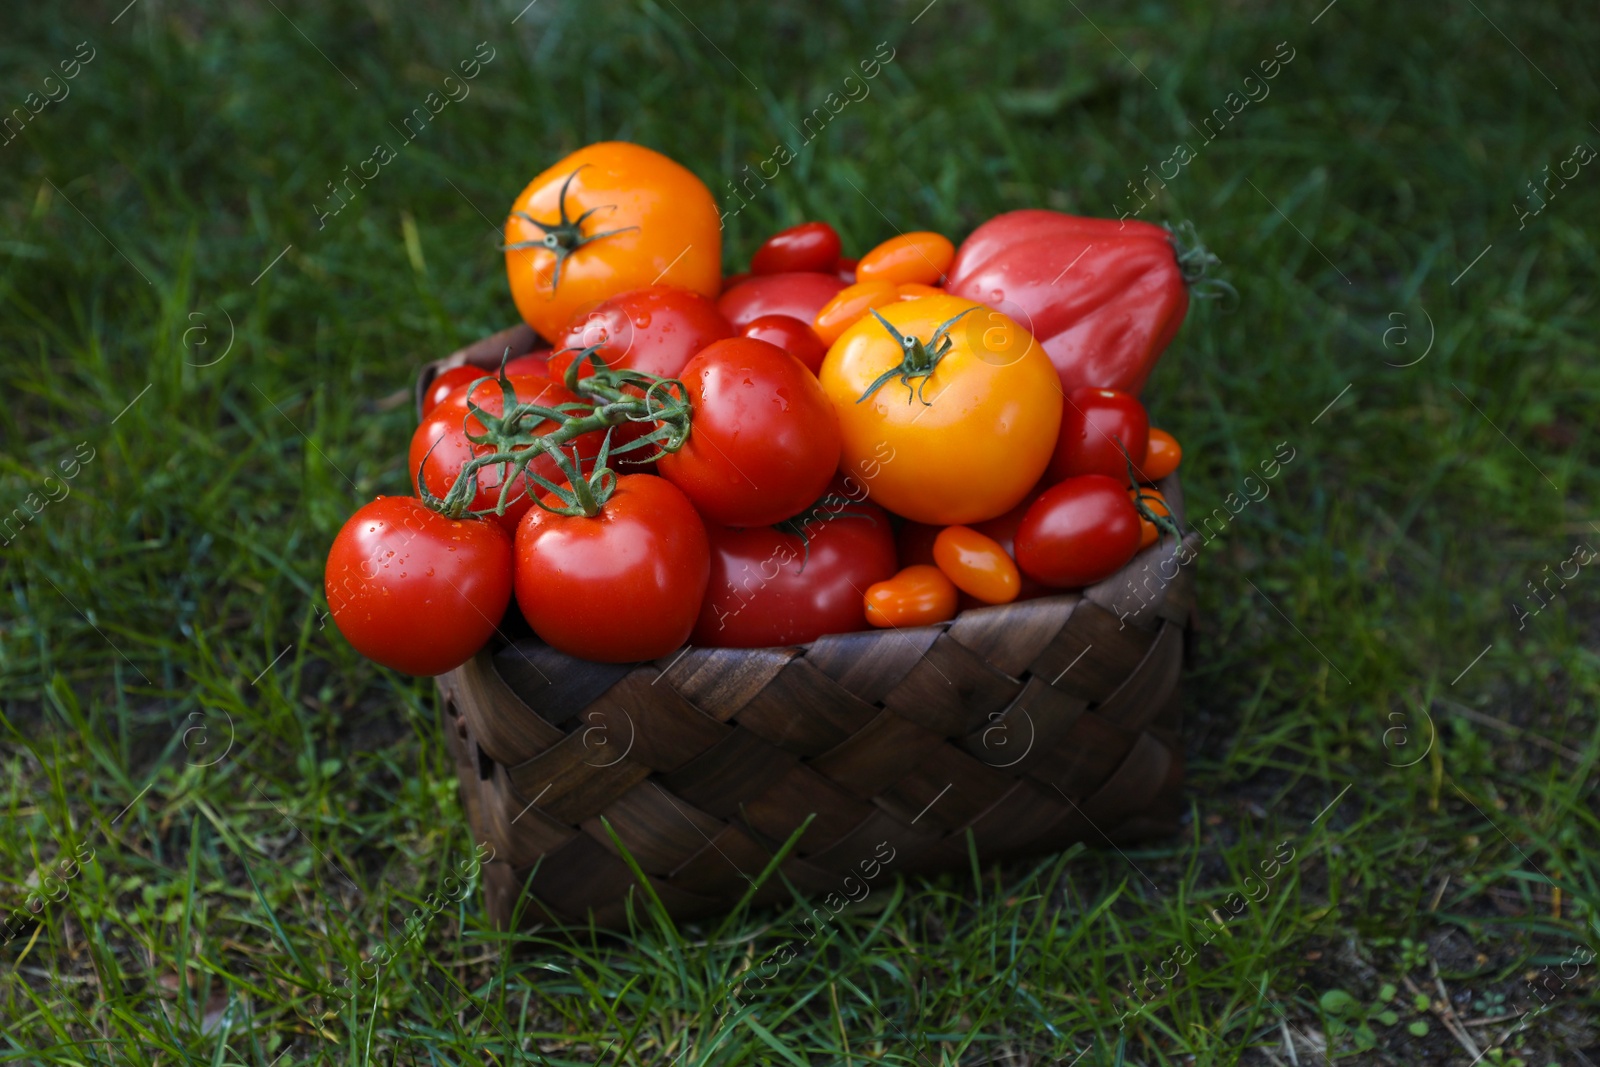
(820, 445)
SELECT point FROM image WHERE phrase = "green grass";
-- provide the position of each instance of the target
(169, 605)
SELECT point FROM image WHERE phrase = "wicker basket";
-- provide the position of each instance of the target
(1024, 727)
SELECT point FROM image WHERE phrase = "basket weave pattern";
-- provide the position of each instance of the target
(1028, 726)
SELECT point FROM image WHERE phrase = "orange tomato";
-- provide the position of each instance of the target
(1161, 458)
(921, 257)
(917, 596)
(1149, 532)
(848, 305)
(916, 290)
(608, 218)
(949, 413)
(978, 565)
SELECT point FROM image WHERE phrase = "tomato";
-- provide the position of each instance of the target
(1078, 532)
(920, 595)
(849, 305)
(622, 585)
(799, 295)
(535, 362)
(1093, 422)
(1149, 532)
(846, 269)
(734, 279)
(1104, 297)
(608, 218)
(655, 329)
(413, 590)
(919, 257)
(978, 565)
(793, 336)
(1162, 457)
(442, 439)
(960, 443)
(810, 246)
(448, 382)
(1003, 530)
(916, 290)
(769, 588)
(764, 443)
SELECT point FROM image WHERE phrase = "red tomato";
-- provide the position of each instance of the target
(810, 246)
(769, 589)
(793, 336)
(846, 269)
(919, 595)
(656, 329)
(733, 279)
(1078, 532)
(413, 590)
(765, 441)
(621, 586)
(443, 431)
(535, 362)
(453, 380)
(799, 295)
(1092, 422)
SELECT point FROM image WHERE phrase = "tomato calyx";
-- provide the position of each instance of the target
(564, 236)
(1194, 259)
(607, 398)
(921, 358)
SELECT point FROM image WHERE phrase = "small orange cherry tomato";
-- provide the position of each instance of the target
(850, 304)
(917, 596)
(920, 256)
(916, 290)
(1149, 532)
(1163, 455)
(978, 565)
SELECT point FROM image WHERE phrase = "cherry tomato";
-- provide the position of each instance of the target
(656, 329)
(1003, 529)
(415, 591)
(769, 588)
(849, 305)
(1078, 532)
(845, 269)
(1162, 457)
(965, 442)
(1149, 532)
(621, 586)
(978, 565)
(765, 441)
(442, 440)
(916, 290)
(791, 335)
(812, 246)
(921, 257)
(608, 218)
(1092, 423)
(920, 595)
(535, 362)
(448, 382)
(734, 279)
(799, 295)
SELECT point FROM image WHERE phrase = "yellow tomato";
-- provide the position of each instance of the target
(608, 218)
(948, 413)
